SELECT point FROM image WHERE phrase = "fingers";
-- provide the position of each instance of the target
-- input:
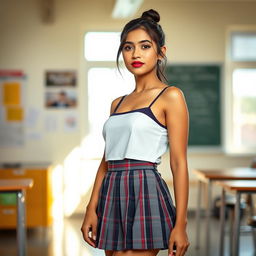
(171, 253)
(86, 230)
(181, 250)
(94, 232)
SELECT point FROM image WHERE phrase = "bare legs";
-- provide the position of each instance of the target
(109, 253)
(153, 252)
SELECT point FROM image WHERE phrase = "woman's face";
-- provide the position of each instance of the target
(140, 53)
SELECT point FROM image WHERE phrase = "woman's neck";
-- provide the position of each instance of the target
(146, 82)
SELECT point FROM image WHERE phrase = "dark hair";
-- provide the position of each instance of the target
(148, 21)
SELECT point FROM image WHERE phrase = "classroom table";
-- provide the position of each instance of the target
(238, 187)
(18, 186)
(208, 176)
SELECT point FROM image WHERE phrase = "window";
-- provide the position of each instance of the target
(243, 46)
(104, 84)
(241, 85)
(244, 96)
(101, 46)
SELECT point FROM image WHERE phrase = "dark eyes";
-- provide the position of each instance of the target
(129, 47)
(146, 46)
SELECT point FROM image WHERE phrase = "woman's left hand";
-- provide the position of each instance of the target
(178, 238)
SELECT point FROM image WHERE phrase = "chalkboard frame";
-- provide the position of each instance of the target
(217, 147)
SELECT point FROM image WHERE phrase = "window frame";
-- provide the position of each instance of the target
(230, 66)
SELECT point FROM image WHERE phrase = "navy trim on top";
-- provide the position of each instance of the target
(119, 103)
(157, 96)
(147, 111)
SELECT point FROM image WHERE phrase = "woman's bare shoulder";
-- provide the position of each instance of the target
(114, 103)
(172, 94)
(173, 97)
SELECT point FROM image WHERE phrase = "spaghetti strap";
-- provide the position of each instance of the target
(158, 96)
(119, 103)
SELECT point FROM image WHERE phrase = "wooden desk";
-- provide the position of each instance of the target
(18, 187)
(39, 199)
(208, 177)
(238, 187)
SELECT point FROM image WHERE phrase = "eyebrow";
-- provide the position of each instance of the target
(140, 42)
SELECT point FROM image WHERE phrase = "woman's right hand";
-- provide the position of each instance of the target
(90, 225)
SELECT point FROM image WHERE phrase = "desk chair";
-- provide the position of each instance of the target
(230, 202)
(252, 219)
(252, 223)
(249, 197)
(245, 202)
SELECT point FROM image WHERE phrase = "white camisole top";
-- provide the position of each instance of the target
(135, 134)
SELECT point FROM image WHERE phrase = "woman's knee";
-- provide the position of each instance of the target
(153, 252)
(109, 253)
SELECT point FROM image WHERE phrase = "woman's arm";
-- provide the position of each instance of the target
(177, 120)
(101, 171)
(90, 219)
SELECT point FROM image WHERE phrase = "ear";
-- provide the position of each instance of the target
(163, 49)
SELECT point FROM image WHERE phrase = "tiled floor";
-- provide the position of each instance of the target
(65, 239)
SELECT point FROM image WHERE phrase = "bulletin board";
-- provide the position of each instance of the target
(12, 108)
(200, 84)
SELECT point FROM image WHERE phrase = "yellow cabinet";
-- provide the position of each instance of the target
(39, 198)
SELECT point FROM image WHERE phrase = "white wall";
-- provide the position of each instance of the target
(195, 32)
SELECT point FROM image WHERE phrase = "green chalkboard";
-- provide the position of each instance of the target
(201, 87)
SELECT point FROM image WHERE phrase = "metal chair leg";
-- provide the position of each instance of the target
(222, 222)
(198, 214)
(21, 231)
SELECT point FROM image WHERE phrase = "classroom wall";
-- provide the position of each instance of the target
(195, 32)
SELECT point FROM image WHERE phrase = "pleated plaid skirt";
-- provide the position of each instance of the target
(135, 208)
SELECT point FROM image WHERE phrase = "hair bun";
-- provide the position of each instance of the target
(151, 15)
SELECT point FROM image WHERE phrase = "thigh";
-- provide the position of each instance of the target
(152, 252)
(109, 253)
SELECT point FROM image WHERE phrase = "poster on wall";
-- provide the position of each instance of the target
(70, 122)
(60, 89)
(60, 98)
(12, 107)
(60, 78)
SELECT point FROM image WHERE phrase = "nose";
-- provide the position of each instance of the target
(136, 53)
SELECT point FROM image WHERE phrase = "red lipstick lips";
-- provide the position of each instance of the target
(137, 64)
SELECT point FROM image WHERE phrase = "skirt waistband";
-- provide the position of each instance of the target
(130, 164)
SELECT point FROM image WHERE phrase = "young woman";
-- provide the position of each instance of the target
(131, 211)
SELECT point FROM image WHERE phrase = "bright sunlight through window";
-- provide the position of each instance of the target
(240, 71)
(244, 118)
(101, 46)
(104, 84)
